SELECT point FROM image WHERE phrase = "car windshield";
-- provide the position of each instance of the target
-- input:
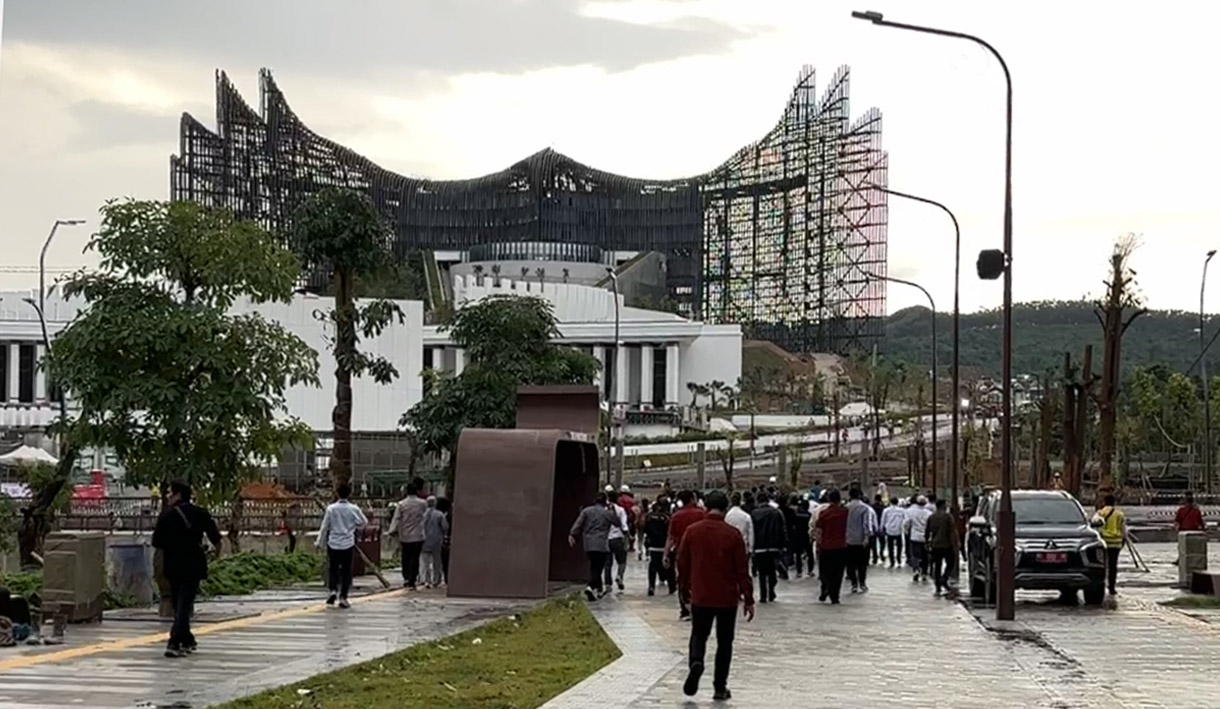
(1047, 510)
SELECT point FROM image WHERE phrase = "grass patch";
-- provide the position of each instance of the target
(506, 664)
(1193, 602)
(248, 572)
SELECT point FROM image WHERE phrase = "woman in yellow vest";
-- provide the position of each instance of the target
(1114, 534)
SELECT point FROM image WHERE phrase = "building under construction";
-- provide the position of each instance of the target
(779, 238)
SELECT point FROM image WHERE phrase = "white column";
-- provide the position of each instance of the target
(646, 367)
(459, 361)
(599, 353)
(671, 374)
(40, 375)
(14, 382)
(622, 372)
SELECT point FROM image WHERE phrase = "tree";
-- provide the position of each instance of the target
(509, 342)
(340, 232)
(158, 367)
(728, 457)
(1120, 307)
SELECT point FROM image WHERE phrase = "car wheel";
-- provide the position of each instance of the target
(1095, 594)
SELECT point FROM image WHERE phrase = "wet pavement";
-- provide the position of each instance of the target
(898, 645)
(255, 643)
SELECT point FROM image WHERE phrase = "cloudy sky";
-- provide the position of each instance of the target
(1114, 131)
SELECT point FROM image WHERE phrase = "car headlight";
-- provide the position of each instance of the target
(1093, 553)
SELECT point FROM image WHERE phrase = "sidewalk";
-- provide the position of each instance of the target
(898, 645)
(119, 663)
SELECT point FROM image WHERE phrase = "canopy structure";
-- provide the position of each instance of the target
(28, 454)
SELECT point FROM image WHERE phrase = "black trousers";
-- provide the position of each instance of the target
(918, 554)
(725, 620)
(857, 565)
(618, 554)
(895, 548)
(765, 562)
(410, 562)
(942, 564)
(597, 565)
(802, 552)
(1112, 554)
(339, 563)
(183, 591)
(445, 562)
(657, 570)
(877, 546)
(832, 561)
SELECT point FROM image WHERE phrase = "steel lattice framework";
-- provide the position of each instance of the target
(778, 238)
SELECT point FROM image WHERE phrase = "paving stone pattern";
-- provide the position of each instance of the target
(898, 645)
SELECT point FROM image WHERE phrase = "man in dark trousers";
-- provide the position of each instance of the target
(942, 546)
(179, 535)
(831, 527)
(770, 541)
(679, 522)
(712, 572)
(656, 533)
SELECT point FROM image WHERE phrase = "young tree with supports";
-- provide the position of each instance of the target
(1120, 307)
(340, 233)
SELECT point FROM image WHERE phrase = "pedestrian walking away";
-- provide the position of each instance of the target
(942, 544)
(860, 529)
(679, 522)
(712, 571)
(656, 532)
(891, 525)
(800, 536)
(915, 525)
(436, 528)
(831, 532)
(407, 524)
(341, 523)
(179, 535)
(1114, 533)
(618, 539)
(592, 529)
(878, 539)
(770, 541)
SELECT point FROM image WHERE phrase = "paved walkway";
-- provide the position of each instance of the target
(120, 663)
(900, 646)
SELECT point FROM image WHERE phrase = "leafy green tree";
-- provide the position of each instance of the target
(339, 232)
(509, 342)
(159, 369)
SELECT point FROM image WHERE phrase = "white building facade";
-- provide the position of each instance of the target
(659, 353)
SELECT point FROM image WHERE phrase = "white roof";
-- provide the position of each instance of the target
(28, 454)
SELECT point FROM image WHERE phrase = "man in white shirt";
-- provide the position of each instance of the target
(618, 541)
(740, 520)
(915, 524)
(891, 526)
(338, 536)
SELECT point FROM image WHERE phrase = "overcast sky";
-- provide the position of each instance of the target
(1115, 107)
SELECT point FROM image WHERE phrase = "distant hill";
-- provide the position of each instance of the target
(1042, 332)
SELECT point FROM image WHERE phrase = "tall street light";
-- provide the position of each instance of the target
(954, 433)
(46, 344)
(611, 386)
(42, 261)
(1207, 404)
(932, 305)
(991, 265)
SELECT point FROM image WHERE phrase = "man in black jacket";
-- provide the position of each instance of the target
(179, 535)
(656, 533)
(770, 541)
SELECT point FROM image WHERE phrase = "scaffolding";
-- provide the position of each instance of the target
(777, 239)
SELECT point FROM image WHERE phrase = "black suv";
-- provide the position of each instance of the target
(1056, 547)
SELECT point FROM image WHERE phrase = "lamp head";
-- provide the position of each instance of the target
(869, 15)
(71, 222)
(1211, 253)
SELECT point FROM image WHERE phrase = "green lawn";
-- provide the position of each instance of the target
(1193, 602)
(506, 664)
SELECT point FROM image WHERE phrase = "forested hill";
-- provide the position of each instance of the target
(1042, 332)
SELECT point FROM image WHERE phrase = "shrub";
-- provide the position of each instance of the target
(248, 572)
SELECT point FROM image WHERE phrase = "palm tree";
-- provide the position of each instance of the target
(715, 388)
(495, 275)
(565, 275)
(696, 390)
(478, 274)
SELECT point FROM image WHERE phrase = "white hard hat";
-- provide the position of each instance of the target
(609, 488)
(625, 488)
(772, 479)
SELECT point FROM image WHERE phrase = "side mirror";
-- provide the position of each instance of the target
(979, 522)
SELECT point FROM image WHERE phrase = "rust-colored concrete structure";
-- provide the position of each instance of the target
(521, 489)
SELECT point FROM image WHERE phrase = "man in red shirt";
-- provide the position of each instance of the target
(713, 574)
(1189, 517)
(679, 522)
(832, 546)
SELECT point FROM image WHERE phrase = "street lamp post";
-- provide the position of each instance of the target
(611, 386)
(931, 304)
(42, 262)
(1207, 404)
(46, 344)
(991, 267)
(954, 433)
